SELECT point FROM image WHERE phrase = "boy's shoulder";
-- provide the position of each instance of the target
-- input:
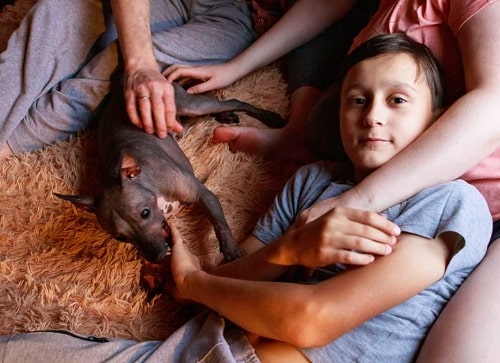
(456, 189)
(322, 169)
(454, 206)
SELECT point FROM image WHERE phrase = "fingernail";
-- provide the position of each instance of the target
(397, 231)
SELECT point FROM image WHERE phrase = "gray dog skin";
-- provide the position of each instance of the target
(138, 171)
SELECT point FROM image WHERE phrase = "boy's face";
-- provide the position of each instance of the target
(384, 107)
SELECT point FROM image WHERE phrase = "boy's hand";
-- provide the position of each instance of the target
(342, 235)
(182, 263)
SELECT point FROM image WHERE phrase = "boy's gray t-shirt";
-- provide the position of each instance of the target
(395, 335)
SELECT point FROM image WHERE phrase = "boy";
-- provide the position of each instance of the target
(390, 93)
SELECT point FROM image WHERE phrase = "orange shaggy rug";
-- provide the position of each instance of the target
(59, 270)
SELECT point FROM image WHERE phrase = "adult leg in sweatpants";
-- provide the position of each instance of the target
(51, 44)
(206, 338)
(189, 31)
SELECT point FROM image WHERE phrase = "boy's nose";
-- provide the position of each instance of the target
(375, 115)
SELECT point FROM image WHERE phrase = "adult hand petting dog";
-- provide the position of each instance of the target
(150, 102)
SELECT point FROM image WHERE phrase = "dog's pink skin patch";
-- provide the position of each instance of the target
(169, 208)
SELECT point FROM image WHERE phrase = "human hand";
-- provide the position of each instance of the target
(182, 263)
(350, 198)
(314, 212)
(212, 77)
(150, 102)
(342, 235)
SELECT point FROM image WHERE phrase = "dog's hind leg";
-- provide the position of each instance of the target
(199, 105)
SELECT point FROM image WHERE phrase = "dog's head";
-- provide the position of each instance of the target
(131, 213)
(130, 220)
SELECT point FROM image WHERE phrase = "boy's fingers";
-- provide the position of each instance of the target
(375, 220)
(174, 232)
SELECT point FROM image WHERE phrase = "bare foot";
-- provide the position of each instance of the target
(278, 144)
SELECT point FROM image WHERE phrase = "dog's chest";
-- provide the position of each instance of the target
(169, 208)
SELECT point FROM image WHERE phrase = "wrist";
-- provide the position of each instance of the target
(192, 286)
(354, 198)
(279, 253)
(238, 68)
(134, 64)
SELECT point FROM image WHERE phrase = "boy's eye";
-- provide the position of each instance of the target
(358, 101)
(398, 100)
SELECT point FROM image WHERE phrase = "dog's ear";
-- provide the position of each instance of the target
(129, 168)
(85, 202)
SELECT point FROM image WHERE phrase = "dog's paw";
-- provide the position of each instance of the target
(227, 117)
(233, 253)
(154, 278)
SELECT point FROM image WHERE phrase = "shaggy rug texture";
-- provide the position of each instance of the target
(60, 270)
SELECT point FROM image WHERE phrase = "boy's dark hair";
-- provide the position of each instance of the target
(384, 44)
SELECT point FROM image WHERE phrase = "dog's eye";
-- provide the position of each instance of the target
(120, 238)
(145, 213)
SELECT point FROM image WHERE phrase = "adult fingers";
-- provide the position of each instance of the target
(156, 110)
(131, 108)
(158, 115)
(170, 111)
(144, 105)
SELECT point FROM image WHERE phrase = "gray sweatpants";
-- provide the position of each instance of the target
(207, 338)
(56, 68)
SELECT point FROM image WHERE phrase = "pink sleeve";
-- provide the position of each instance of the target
(460, 11)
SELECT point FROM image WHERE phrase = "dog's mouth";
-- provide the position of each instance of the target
(169, 208)
(168, 237)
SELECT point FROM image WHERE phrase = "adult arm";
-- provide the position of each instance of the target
(315, 315)
(302, 22)
(149, 96)
(464, 135)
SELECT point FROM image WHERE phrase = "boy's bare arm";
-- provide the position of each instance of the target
(253, 266)
(312, 315)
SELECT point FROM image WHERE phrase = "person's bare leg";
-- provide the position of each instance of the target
(287, 143)
(467, 329)
(5, 152)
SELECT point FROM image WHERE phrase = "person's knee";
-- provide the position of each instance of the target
(268, 350)
(5, 152)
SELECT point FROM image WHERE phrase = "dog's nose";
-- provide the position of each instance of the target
(156, 254)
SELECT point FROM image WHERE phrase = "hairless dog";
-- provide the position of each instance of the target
(142, 175)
